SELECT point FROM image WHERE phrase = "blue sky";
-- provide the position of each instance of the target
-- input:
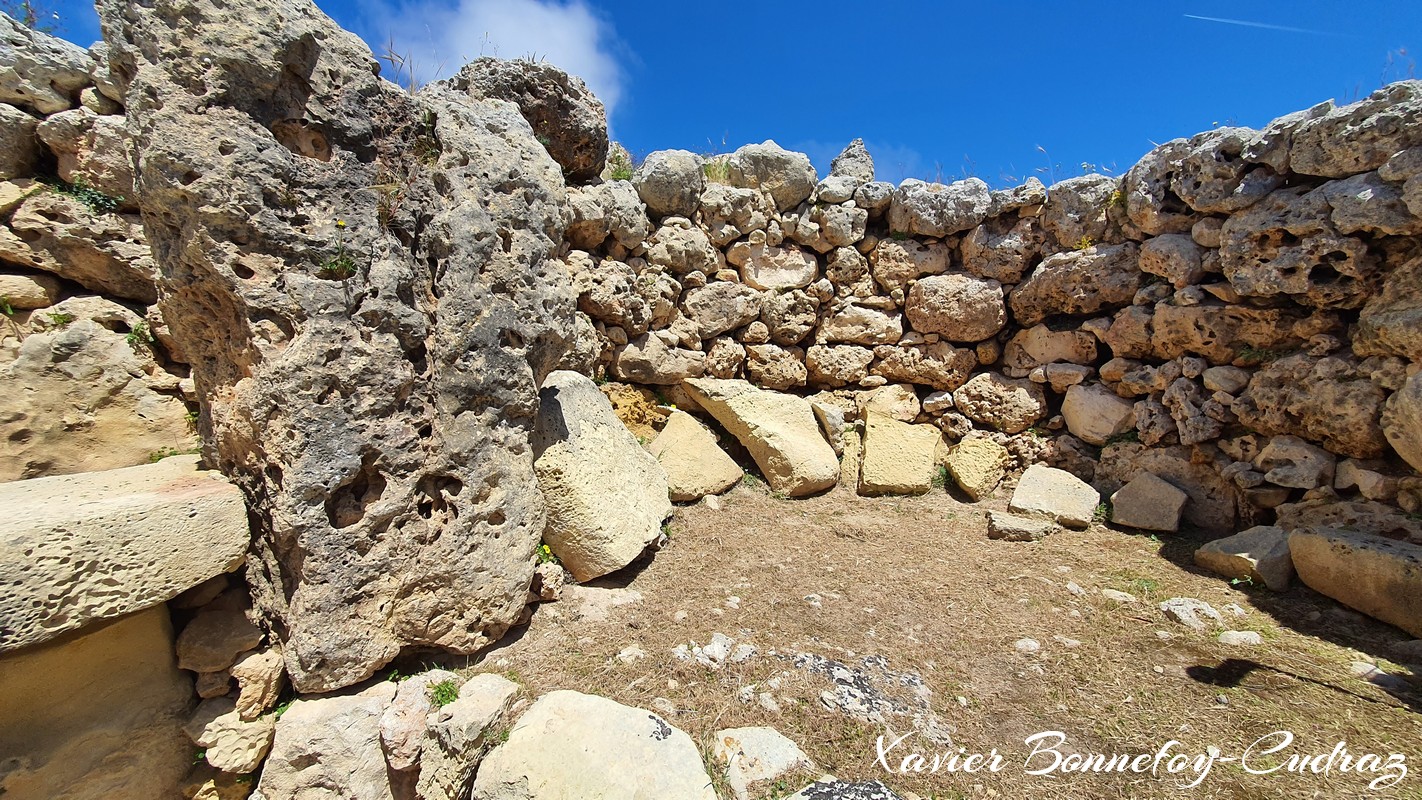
(938, 90)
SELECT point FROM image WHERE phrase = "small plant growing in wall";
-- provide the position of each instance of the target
(340, 264)
(546, 555)
(444, 693)
(96, 200)
(139, 336)
(1085, 243)
(59, 319)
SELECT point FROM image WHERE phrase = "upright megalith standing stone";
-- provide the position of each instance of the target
(363, 283)
(607, 497)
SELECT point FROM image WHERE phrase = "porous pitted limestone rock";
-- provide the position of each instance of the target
(1220, 333)
(1214, 500)
(38, 71)
(606, 496)
(682, 248)
(20, 148)
(899, 458)
(93, 149)
(229, 742)
(1077, 282)
(854, 162)
(1019, 529)
(1011, 406)
(1175, 257)
(788, 178)
(96, 715)
(1363, 516)
(771, 366)
(565, 115)
(1391, 322)
(1330, 400)
(647, 359)
(1039, 345)
(837, 365)
(1402, 421)
(779, 430)
(604, 210)
(773, 268)
(77, 549)
(104, 252)
(721, 306)
(331, 741)
(978, 465)
(695, 464)
(1379, 577)
(607, 292)
(1191, 612)
(1292, 462)
(856, 324)
(576, 745)
(753, 756)
(1260, 554)
(994, 250)
(1361, 136)
(1077, 210)
(670, 183)
(1054, 494)
(460, 733)
(1094, 413)
(1148, 503)
(1287, 244)
(940, 365)
(895, 262)
(958, 307)
(366, 425)
(88, 395)
(935, 209)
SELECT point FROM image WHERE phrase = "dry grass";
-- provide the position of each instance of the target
(916, 581)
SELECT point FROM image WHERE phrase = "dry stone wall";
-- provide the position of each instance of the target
(1235, 314)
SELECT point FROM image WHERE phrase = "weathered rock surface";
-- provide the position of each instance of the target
(1214, 500)
(92, 149)
(1019, 529)
(1260, 554)
(1402, 421)
(214, 639)
(328, 744)
(670, 182)
(695, 464)
(1094, 413)
(1054, 494)
(935, 209)
(98, 715)
(1330, 400)
(1148, 503)
(958, 307)
(978, 465)
(1379, 577)
(606, 496)
(82, 397)
(576, 745)
(460, 733)
(39, 71)
(75, 550)
(404, 721)
(779, 430)
(753, 756)
(20, 148)
(367, 424)
(565, 116)
(1077, 282)
(1011, 406)
(260, 678)
(101, 251)
(788, 178)
(899, 458)
(229, 742)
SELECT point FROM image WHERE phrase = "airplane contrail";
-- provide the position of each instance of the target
(1263, 25)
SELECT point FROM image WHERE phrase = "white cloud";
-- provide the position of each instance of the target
(440, 39)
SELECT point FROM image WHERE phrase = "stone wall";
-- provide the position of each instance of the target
(1236, 313)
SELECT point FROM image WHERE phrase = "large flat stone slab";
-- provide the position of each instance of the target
(779, 430)
(899, 458)
(97, 716)
(1051, 493)
(76, 549)
(1379, 577)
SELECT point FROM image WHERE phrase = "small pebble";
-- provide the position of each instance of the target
(1221, 699)
(813, 600)
(1241, 638)
(1075, 589)
(1027, 646)
(1120, 597)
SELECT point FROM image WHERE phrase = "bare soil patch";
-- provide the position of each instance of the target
(894, 588)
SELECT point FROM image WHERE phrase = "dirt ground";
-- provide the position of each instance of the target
(927, 613)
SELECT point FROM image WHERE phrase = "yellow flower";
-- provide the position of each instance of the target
(340, 223)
